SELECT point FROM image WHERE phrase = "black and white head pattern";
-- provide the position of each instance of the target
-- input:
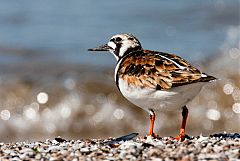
(123, 44)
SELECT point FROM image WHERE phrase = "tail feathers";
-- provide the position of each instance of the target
(207, 78)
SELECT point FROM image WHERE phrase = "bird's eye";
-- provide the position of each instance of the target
(130, 38)
(118, 39)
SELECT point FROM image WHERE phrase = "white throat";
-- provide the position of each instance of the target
(113, 46)
(122, 50)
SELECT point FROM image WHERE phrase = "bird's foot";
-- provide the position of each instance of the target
(153, 136)
(180, 137)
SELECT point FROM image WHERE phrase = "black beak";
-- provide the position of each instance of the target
(101, 48)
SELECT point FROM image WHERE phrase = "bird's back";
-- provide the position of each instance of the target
(158, 70)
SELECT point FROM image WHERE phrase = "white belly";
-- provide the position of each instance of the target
(167, 100)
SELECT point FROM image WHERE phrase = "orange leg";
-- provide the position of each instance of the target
(152, 119)
(181, 136)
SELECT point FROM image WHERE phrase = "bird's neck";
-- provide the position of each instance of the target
(125, 51)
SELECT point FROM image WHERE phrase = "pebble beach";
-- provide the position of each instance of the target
(220, 146)
(56, 97)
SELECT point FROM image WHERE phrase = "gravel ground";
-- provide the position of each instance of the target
(130, 147)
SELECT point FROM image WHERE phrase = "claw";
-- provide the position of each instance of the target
(180, 137)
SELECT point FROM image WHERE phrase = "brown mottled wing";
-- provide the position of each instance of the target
(158, 70)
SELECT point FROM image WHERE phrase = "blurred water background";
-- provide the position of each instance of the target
(50, 85)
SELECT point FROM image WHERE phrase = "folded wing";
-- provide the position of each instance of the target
(158, 70)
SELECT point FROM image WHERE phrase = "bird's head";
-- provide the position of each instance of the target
(120, 45)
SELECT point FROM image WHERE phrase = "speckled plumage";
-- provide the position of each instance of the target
(151, 69)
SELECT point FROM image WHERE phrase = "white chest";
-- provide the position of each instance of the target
(160, 100)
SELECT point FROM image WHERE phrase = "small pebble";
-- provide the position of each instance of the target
(214, 147)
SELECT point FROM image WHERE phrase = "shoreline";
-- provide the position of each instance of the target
(85, 99)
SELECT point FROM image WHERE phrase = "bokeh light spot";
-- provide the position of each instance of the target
(213, 114)
(98, 117)
(5, 114)
(69, 83)
(65, 112)
(118, 114)
(228, 89)
(29, 113)
(236, 108)
(101, 98)
(42, 97)
(236, 94)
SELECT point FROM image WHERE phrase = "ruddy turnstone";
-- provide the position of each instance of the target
(152, 80)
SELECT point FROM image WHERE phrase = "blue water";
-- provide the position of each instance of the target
(62, 31)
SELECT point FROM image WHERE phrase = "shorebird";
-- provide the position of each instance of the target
(153, 80)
